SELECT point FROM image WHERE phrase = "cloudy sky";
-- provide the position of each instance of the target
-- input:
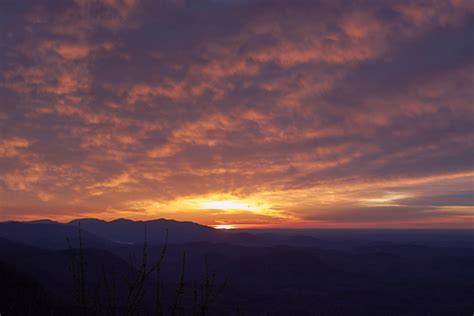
(246, 113)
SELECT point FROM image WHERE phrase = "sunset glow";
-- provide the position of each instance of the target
(224, 226)
(239, 113)
(228, 205)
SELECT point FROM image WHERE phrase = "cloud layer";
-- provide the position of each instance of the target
(314, 113)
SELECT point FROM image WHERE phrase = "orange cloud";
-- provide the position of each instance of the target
(12, 147)
(145, 92)
(70, 50)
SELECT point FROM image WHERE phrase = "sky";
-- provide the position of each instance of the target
(239, 113)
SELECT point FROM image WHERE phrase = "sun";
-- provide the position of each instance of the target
(224, 226)
(228, 205)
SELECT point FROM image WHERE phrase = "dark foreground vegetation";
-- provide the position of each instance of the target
(171, 268)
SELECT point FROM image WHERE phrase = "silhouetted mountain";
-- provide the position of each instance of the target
(41, 221)
(128, 231)
(49, 235)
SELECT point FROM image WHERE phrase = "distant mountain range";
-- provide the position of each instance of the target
(100, 234)
(129, 231)
(97, 233)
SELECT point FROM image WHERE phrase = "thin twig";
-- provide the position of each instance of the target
(180, 290)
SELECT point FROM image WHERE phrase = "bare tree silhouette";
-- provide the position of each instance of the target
(204, 294)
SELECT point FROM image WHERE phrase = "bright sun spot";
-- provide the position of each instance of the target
(227, 205)
(224, 226)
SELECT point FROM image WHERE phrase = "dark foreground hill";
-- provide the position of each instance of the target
(305, 273)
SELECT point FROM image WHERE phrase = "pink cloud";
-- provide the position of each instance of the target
(12, 147)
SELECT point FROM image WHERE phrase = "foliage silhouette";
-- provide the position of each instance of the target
(91, 302)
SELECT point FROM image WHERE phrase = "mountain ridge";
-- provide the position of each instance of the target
(97, 232)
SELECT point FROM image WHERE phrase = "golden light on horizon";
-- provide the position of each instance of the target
(227, 205)
(219, 210)
(224, 226)
(222, 202)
